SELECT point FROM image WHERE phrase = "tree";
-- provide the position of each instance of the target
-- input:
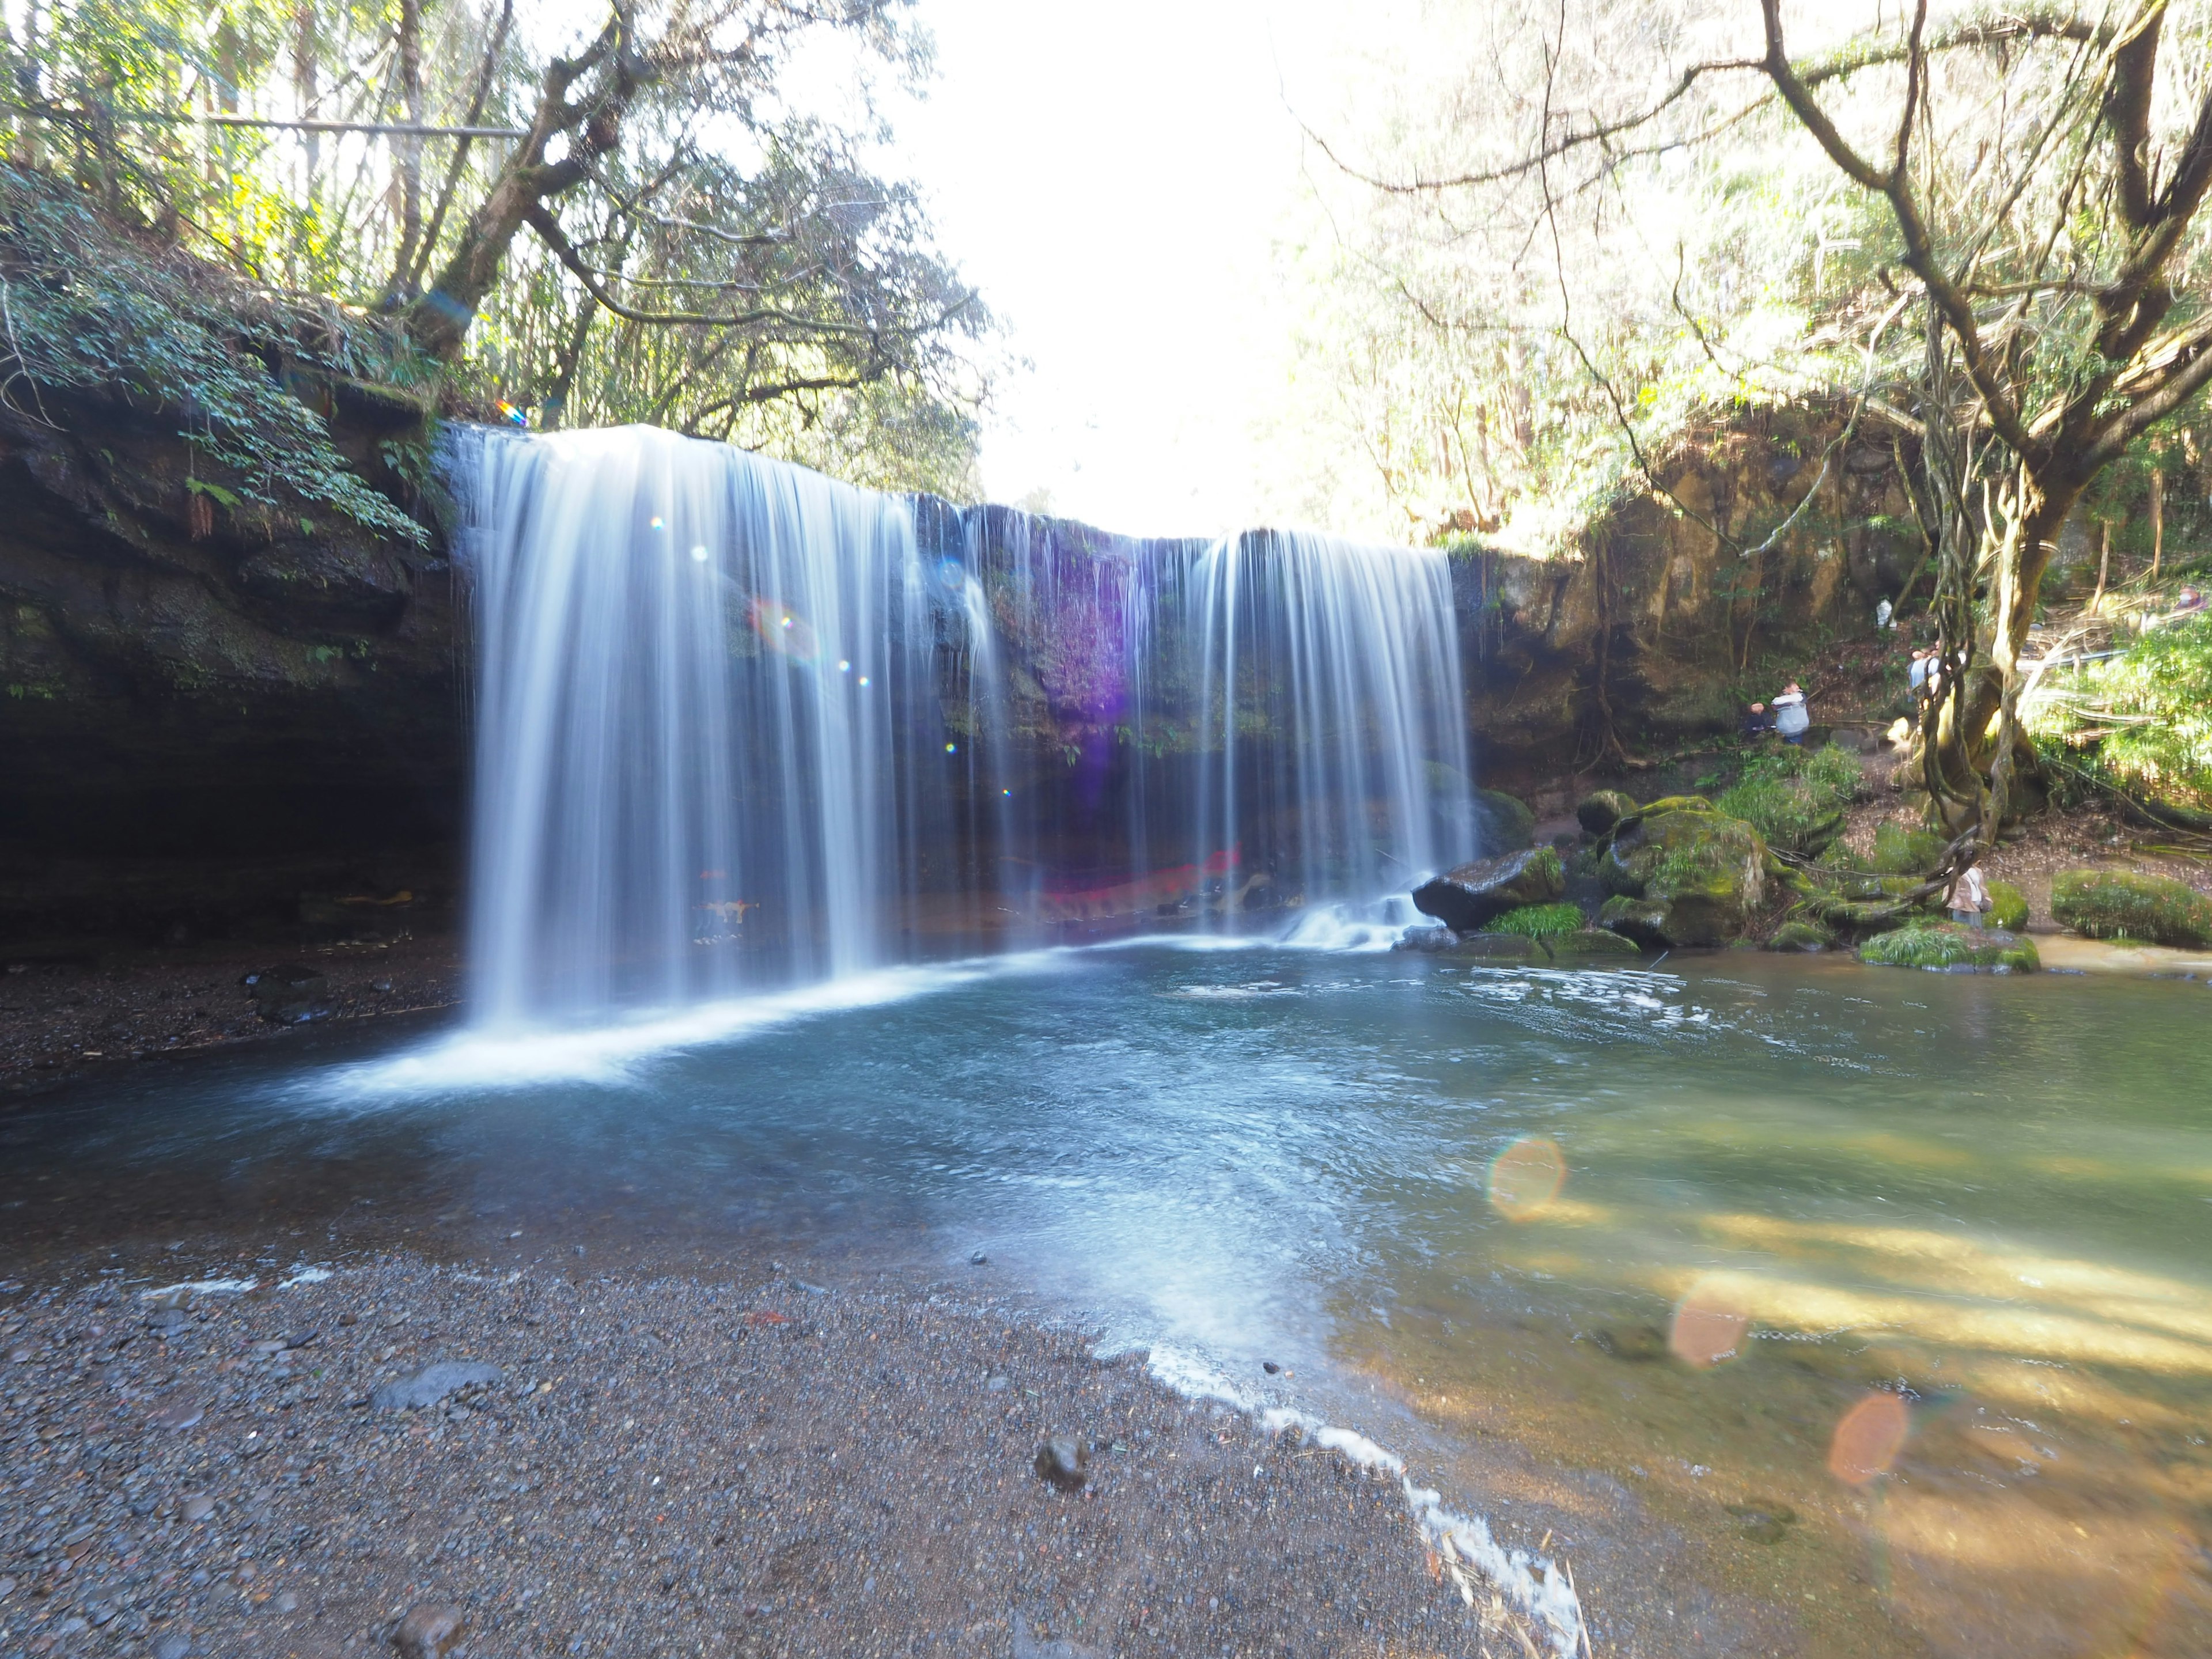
(635, 226)
(2026, 187)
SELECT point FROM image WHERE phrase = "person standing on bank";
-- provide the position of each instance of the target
(1969, 897)
(1790, 718)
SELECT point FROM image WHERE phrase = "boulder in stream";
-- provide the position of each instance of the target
(1467, 898)
(1683, 874)
(1601, 810)
(2124, 904)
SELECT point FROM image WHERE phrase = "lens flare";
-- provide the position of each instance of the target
(699, 554)
(1708, 1328)
(1869, 1439)
(782, 630)
(1526, 1177)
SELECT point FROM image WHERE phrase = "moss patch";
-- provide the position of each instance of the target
(2007, 907)
(2118, 904)
(1945, 947)
(1801, 937)
(1540, 921)
(1899, 851)
(1795, 800)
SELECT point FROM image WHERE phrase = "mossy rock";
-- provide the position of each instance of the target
(1541, 920)
(1899, 851)
(1700, 876)
(1496, 947)
(1600, 811)
(1594, 944)
(1947, 948)
(1468, 899)
(1502, 823)
(1804, 938)
(2121, 904)
(2007, 907)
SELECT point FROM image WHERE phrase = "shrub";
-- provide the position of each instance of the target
(2153, 702)
(1795, 800)
(2007, 907)
(1899, 851)
(1540, 921)
(2118, 904)
(1946, 948)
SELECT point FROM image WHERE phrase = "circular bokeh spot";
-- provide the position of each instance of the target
(1526, 1177)
(1708, 1328)
(1867, 1438)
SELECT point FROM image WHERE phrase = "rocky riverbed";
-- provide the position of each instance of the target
(750, 1464)
(63, 1012)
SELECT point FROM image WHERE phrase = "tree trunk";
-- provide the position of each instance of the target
(407, 149)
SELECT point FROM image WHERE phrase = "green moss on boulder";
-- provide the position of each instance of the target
(1496, 947)
(1502, 823)
(1601, 810)
(1946, 947)
(1596, 944)
(1469, 898)
(1699, 875)
(2120, 904)
(1801, 937)
(1899, 851)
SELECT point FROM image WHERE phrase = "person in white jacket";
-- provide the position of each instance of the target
(1791, 719)
(1969, 897)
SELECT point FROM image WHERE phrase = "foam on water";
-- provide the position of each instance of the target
(616, 1055)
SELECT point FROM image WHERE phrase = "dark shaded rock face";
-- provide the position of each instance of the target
(201, 728)
(1659, 611)
(1467, 898)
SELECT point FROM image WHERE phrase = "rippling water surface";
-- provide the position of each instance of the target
(1887, 1296)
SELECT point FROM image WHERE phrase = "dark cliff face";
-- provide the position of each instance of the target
(219, 718)
(208, 708)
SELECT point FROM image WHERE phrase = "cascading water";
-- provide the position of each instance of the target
(740, 727)
(706, 725)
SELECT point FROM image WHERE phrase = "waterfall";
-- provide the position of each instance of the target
(739, 726)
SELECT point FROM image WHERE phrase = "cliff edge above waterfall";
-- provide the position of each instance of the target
(228, 667)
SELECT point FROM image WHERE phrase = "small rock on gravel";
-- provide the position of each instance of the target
(172, 1647)
(997, 1385)
(1065, 1461)
(176, 1414)
(433, 1384)
(429, 1630)
(198, 1507)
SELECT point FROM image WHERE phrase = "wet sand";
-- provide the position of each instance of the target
(747, 1464)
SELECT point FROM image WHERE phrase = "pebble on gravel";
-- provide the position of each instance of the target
(433, 1383)
(429, 1630)
(1064, 1461)
(198, 1507)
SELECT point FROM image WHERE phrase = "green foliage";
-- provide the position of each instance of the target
(1796, 798)
(92, 309)
(1899, 851)
(1540, 921)
(2121, 904)
(2007, 907)
(1946, 948)
(2153, 703)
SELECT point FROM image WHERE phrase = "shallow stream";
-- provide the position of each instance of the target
(1876, 1302)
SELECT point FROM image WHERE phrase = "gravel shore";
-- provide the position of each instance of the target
(665, 1466)
(64, 1013)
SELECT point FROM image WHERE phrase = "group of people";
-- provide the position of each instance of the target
(1787, 716)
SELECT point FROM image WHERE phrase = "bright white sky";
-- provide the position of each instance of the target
(1115, 180)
